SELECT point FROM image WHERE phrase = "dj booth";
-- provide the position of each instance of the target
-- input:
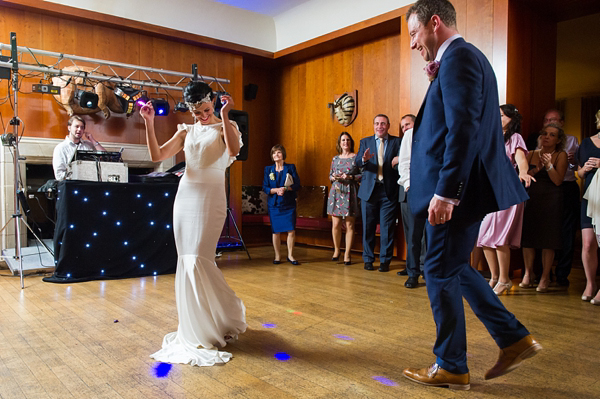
(113, 230)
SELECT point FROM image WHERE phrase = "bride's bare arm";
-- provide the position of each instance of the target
(168, 149)
(230, 133)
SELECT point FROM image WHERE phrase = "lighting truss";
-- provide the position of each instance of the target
(104, 70)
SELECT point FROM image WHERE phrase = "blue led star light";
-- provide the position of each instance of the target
(106, 193)
(139, 195)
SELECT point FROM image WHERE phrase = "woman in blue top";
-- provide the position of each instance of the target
(281, 182)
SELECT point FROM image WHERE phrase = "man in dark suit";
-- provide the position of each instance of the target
(459, 172)
(378, 192)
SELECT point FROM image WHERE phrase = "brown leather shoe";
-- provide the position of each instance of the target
(435, 376)
(512, 356)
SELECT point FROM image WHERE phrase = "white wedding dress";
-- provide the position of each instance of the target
(209, 311)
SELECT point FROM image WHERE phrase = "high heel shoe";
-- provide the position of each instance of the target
(502, 287)
(293, 262)
(493, 282)
(522, 284)
(586, 298)
(595, 302)
(347, 262)
(335, 258)
(543, 288)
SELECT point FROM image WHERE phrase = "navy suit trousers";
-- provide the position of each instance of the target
(379, 210)
(450, 278)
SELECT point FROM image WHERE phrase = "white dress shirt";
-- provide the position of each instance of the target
(404, 159)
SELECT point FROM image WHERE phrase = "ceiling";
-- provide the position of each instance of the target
(271, 8)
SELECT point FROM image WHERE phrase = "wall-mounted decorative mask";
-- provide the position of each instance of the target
(345, 107)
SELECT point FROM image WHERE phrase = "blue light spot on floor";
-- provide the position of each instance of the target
(161, 370)
(269, 325)
(282, 356)
(343, 337)
(385, 381)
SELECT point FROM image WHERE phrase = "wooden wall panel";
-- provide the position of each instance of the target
(531, 65)
(303, 122)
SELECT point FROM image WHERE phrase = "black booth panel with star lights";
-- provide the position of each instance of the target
(113, 230)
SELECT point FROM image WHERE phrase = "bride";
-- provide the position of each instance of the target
(210, 314)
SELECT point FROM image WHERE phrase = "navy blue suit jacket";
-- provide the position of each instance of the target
(289, 198)
(369, 169)
(458, 146)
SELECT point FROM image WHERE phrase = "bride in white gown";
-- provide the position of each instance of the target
(210, 314)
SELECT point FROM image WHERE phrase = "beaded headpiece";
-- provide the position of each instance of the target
(192, 105)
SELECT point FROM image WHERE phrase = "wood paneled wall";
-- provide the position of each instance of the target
(301, 120)
(44, 118)
(531, 82)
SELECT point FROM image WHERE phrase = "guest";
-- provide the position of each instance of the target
(501, 231)
(342, 203)
(543, 213)
(281, 182)
(378, 192)
(414, 227)
(588, 156)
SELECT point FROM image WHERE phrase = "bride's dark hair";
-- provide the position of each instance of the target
(196, 91)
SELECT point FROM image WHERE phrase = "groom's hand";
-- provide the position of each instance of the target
(440, 212)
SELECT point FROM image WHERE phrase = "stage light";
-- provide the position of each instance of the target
(218, 103)
(181, 107)
(128, 97)
(86, 99)
(161, 106)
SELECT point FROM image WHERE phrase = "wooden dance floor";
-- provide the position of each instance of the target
(348, 333)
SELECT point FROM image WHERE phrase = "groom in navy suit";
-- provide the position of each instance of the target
(378, 192)
(459, 172)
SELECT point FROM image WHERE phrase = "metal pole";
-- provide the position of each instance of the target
(15, 123)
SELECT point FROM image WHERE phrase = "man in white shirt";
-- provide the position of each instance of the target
(63, 153)
(414, 228)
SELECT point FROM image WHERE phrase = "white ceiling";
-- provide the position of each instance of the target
(270, 25)
(271, 8)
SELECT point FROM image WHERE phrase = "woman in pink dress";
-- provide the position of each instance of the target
(501, 231)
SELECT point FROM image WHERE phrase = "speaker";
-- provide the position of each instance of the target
(241, 118)
(250, 91)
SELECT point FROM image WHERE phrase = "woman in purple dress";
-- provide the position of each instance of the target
(342, 203)
(501, 231)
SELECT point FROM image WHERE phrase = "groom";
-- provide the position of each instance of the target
(459, 173)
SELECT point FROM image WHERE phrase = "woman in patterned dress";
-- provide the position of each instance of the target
(342, 203)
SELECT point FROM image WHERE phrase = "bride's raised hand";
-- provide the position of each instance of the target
(147, 111)
(228, 104)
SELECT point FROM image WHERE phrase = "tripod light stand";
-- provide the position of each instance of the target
(13, 141)
(230, 217)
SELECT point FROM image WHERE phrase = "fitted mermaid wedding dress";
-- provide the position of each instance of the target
(209, 311)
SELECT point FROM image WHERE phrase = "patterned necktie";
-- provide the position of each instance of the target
(380, 160)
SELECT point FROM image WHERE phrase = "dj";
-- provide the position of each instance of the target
(63, 153)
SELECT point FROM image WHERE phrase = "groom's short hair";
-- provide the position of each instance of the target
(425, 9)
